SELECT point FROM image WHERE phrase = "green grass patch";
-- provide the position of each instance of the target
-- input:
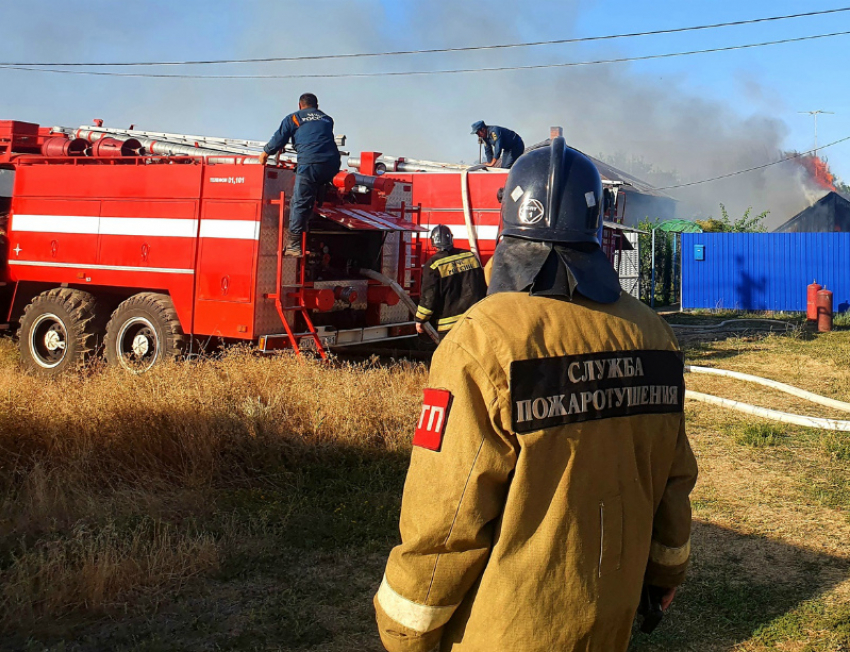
(828, 625)
(759, 435)
(837, 446)
(842, 319)
(830, 490)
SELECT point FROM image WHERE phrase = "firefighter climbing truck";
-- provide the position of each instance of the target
(146, 246)
(148, 256)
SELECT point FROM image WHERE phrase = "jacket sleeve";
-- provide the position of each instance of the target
(282, 136)
(671, 528)
(429, 298)
(497, 145)
(488, 149)
(452, 498)
(488, 271)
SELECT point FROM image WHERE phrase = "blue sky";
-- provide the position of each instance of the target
(699, 115)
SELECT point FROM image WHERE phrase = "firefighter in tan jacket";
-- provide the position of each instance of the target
(551, 474)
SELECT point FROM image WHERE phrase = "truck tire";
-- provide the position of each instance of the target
(144, 331)
(60, 329)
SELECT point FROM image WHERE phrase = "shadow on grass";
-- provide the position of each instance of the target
(303, 543)
(703, 353)
(304, 550)
(738, 587)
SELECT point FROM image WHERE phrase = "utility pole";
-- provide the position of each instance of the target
(815, 115)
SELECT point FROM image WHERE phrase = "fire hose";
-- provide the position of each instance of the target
(712, 327)
(767, 413)
(467, 214)
(411, 306)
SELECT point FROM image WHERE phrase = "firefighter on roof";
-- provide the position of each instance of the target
(550, 476)
(452, 282)
(312, 135)
(499, 143)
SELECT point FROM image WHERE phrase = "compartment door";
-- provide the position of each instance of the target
(227, 253)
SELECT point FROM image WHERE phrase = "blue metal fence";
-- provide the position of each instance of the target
(763, 271)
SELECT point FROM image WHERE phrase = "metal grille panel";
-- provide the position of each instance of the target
(389, 264)
(628, 264)
(266, 318)
(395, 314)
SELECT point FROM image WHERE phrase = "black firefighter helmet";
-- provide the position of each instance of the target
(552, 228)
(441, 238)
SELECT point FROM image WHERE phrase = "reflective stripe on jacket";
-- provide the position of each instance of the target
(555, 481)
(452, 282)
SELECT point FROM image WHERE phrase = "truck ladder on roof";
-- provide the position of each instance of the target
(224, 145)
(298, 295)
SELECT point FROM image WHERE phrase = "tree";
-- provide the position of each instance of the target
(747, 223)
(665, 292)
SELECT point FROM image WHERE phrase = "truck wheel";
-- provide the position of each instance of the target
(144, 331)
(59, 329)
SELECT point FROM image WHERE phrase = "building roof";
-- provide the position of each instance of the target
(679, 226)
(830, 213)
(615, 174)
(616, 226)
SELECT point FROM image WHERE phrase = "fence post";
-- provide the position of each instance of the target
(674, 273)
(681, 272)
(652, 283)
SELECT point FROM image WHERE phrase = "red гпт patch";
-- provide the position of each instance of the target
(432, 421)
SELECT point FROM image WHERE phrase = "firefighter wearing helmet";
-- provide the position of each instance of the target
(549, 482)
(452, 282)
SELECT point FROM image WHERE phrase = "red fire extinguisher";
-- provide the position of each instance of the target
(811, 301)
(824, 303)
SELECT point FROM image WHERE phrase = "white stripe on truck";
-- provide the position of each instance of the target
(136, 226)
(116, 268)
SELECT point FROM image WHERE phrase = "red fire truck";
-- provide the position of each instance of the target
(146, 246)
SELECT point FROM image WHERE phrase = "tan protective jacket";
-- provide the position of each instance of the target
(550, 477)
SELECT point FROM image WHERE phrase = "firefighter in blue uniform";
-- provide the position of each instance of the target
(312, 135)
(499, 143)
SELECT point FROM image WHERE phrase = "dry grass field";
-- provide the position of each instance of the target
(248, 503)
